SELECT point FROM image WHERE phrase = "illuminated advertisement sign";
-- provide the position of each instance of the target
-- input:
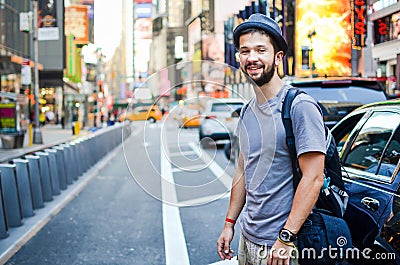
(7, 117)
(143, 10)
(323, 38)
(358, 23)
(387, 28)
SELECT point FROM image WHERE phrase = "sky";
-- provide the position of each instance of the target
(108, 25)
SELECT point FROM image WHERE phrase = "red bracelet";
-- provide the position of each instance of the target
(230, 220)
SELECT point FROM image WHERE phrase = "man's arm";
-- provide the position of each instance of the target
(236, 203)
(312, 167)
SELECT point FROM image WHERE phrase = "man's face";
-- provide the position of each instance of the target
(257, 58)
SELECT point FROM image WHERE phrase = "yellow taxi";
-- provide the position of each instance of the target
(191, 119)
(143, 113)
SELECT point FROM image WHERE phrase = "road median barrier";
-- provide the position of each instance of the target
(30, 181)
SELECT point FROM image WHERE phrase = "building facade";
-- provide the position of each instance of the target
(384, 17)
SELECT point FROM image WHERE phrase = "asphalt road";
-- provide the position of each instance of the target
(160, 200)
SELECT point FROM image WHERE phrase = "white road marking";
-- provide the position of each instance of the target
(174, 238)
(213, 166)
(192, 168)
(205, 199)
(183, 153)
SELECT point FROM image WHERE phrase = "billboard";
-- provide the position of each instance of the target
(395, 27)
(323, 38)
(212, 55)
(77, 23)
(143, 28)
(47, 20)
(194, 48)
(387, 28)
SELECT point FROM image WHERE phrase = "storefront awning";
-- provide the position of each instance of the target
(70, 87)
(13, 96)
(11, 64)
(51, 78)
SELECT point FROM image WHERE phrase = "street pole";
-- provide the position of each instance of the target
(37, 134)
(133, 43)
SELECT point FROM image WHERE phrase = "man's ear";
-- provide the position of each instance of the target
(278, 58)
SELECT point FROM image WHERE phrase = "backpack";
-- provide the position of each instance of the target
(333, 196)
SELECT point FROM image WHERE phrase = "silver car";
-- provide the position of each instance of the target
(217, 122)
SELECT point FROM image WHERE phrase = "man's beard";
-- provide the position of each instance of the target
(265, 77)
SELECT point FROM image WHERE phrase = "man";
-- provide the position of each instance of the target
(262, 191)
(50, 116)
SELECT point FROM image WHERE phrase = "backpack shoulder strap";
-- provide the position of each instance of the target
(290, 140)
(244, 109)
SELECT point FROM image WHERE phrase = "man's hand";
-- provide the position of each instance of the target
(224, 240)
(280, 254)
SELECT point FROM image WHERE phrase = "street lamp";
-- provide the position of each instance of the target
(310, 35)
(37, 134)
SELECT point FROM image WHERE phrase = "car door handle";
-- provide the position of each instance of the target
(370, 203)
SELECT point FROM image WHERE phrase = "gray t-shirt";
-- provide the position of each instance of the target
(267, 164)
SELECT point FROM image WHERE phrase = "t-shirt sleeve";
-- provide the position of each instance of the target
(308, 125)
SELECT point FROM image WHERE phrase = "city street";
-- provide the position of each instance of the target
(152, 203)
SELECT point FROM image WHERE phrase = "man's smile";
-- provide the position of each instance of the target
(254, 69)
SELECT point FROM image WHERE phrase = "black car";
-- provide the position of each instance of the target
(336, 97)
(339, 97)
(368, 141)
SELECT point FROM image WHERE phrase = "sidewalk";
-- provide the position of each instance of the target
(51, 134)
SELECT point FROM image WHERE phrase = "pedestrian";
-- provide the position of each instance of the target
(262, 197)
(42, 119)
(50, 116)
(63, 119)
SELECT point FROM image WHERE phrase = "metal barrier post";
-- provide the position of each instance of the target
(55, 182)
(24, 187)
(3, 221)
(61, 167)
(45, 175)
(10, 193)
(70, 168)
(76, 159)
(35, 180)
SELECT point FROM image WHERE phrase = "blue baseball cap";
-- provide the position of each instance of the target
(262, 22)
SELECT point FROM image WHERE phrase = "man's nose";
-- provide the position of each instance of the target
(253, 55)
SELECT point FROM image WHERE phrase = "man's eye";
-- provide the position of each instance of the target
(261, 50)
(244, 52)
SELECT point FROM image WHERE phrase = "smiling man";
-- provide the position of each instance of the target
(271, 212)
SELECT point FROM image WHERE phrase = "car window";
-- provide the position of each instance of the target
(368, 147)
(391, 156)
(225, 107)
(347, 94)
(343, 130)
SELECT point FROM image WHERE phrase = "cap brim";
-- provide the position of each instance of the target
(268, 29)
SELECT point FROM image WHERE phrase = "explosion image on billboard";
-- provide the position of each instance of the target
(323, 36)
